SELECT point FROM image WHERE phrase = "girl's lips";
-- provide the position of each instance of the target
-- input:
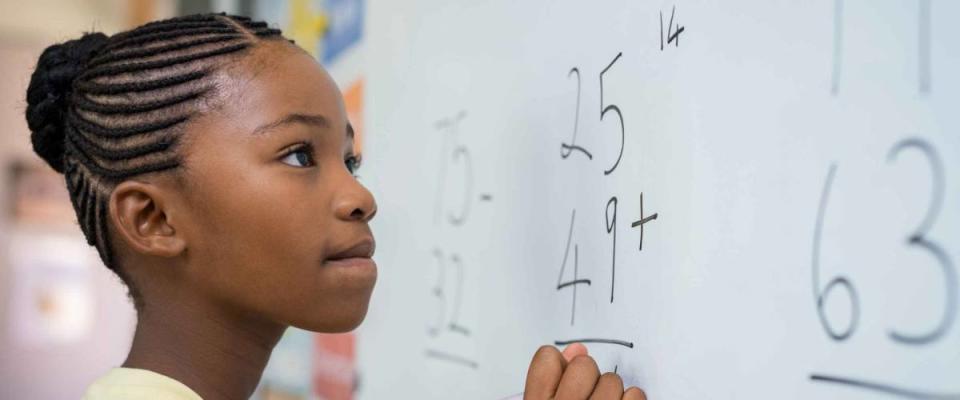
(351, 262)
(363, 248)
(357, 255)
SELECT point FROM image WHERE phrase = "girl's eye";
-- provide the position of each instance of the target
(301, 156)
(353, 164)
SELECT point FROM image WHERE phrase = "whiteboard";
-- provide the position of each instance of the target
(745, 199)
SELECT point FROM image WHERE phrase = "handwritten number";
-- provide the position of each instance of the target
(919, 239)
(439, 294)
(673, 35)
(567, 149)
(455, 325)
(462, 152)
(451, 272)
(604, 109)
(439, 291)
(612, 228)
(819, 295)
(563, 266)
(442, 172)
(449, 128)
(676, 33)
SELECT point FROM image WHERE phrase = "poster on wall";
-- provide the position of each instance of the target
(353, 102)
(38, 197)
(51, 299)
(303, 21)
(346, 27)
(325, 29)
(334, 373)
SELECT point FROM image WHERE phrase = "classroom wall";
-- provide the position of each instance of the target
(64, 318)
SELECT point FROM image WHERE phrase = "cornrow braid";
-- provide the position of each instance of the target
(157, 63)
(148, 50)
(269, 32)
(152, 27)
(139, 86)
(104, 109)
(213, 29)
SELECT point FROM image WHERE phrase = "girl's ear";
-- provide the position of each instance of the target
(141, 215)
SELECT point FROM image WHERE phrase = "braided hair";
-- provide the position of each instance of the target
(102, 109)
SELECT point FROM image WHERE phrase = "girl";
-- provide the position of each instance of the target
(210, 162)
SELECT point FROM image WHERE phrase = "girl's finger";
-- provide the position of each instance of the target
(579, 379)
(634, 393)
(609, 387)
(543, 377)
(574, 350)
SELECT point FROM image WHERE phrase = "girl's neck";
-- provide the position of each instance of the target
(217, 354)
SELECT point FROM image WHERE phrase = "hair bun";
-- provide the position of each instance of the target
(49, 91)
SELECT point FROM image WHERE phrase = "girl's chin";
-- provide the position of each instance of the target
(336, 327)
(343, 320)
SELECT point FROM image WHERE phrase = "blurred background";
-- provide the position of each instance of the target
(732, 139)
(64, 318)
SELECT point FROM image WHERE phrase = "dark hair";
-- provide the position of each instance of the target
(102, 109)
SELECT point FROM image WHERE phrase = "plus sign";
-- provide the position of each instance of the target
(643, 220)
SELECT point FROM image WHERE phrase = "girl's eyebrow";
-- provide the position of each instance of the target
(318, 121)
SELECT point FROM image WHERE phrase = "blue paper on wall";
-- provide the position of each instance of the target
(346, 27)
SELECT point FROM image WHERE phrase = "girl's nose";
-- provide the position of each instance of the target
(355, 203)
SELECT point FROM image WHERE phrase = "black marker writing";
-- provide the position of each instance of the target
(673, 35)
(642, 221)
(568, 148)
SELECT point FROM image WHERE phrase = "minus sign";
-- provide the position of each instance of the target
(450, 357)
(623, 343)
(486, 197)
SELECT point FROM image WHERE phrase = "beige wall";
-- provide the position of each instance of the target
(59, 371)
(47, 20)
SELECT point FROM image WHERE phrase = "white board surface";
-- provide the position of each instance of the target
(801, 159)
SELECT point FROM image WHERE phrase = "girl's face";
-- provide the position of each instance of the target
(277, 224)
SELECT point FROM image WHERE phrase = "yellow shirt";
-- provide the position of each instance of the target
(138, 384)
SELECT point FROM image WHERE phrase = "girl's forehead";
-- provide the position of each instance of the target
(278, 79)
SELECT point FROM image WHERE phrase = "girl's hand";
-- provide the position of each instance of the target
(573, 375)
